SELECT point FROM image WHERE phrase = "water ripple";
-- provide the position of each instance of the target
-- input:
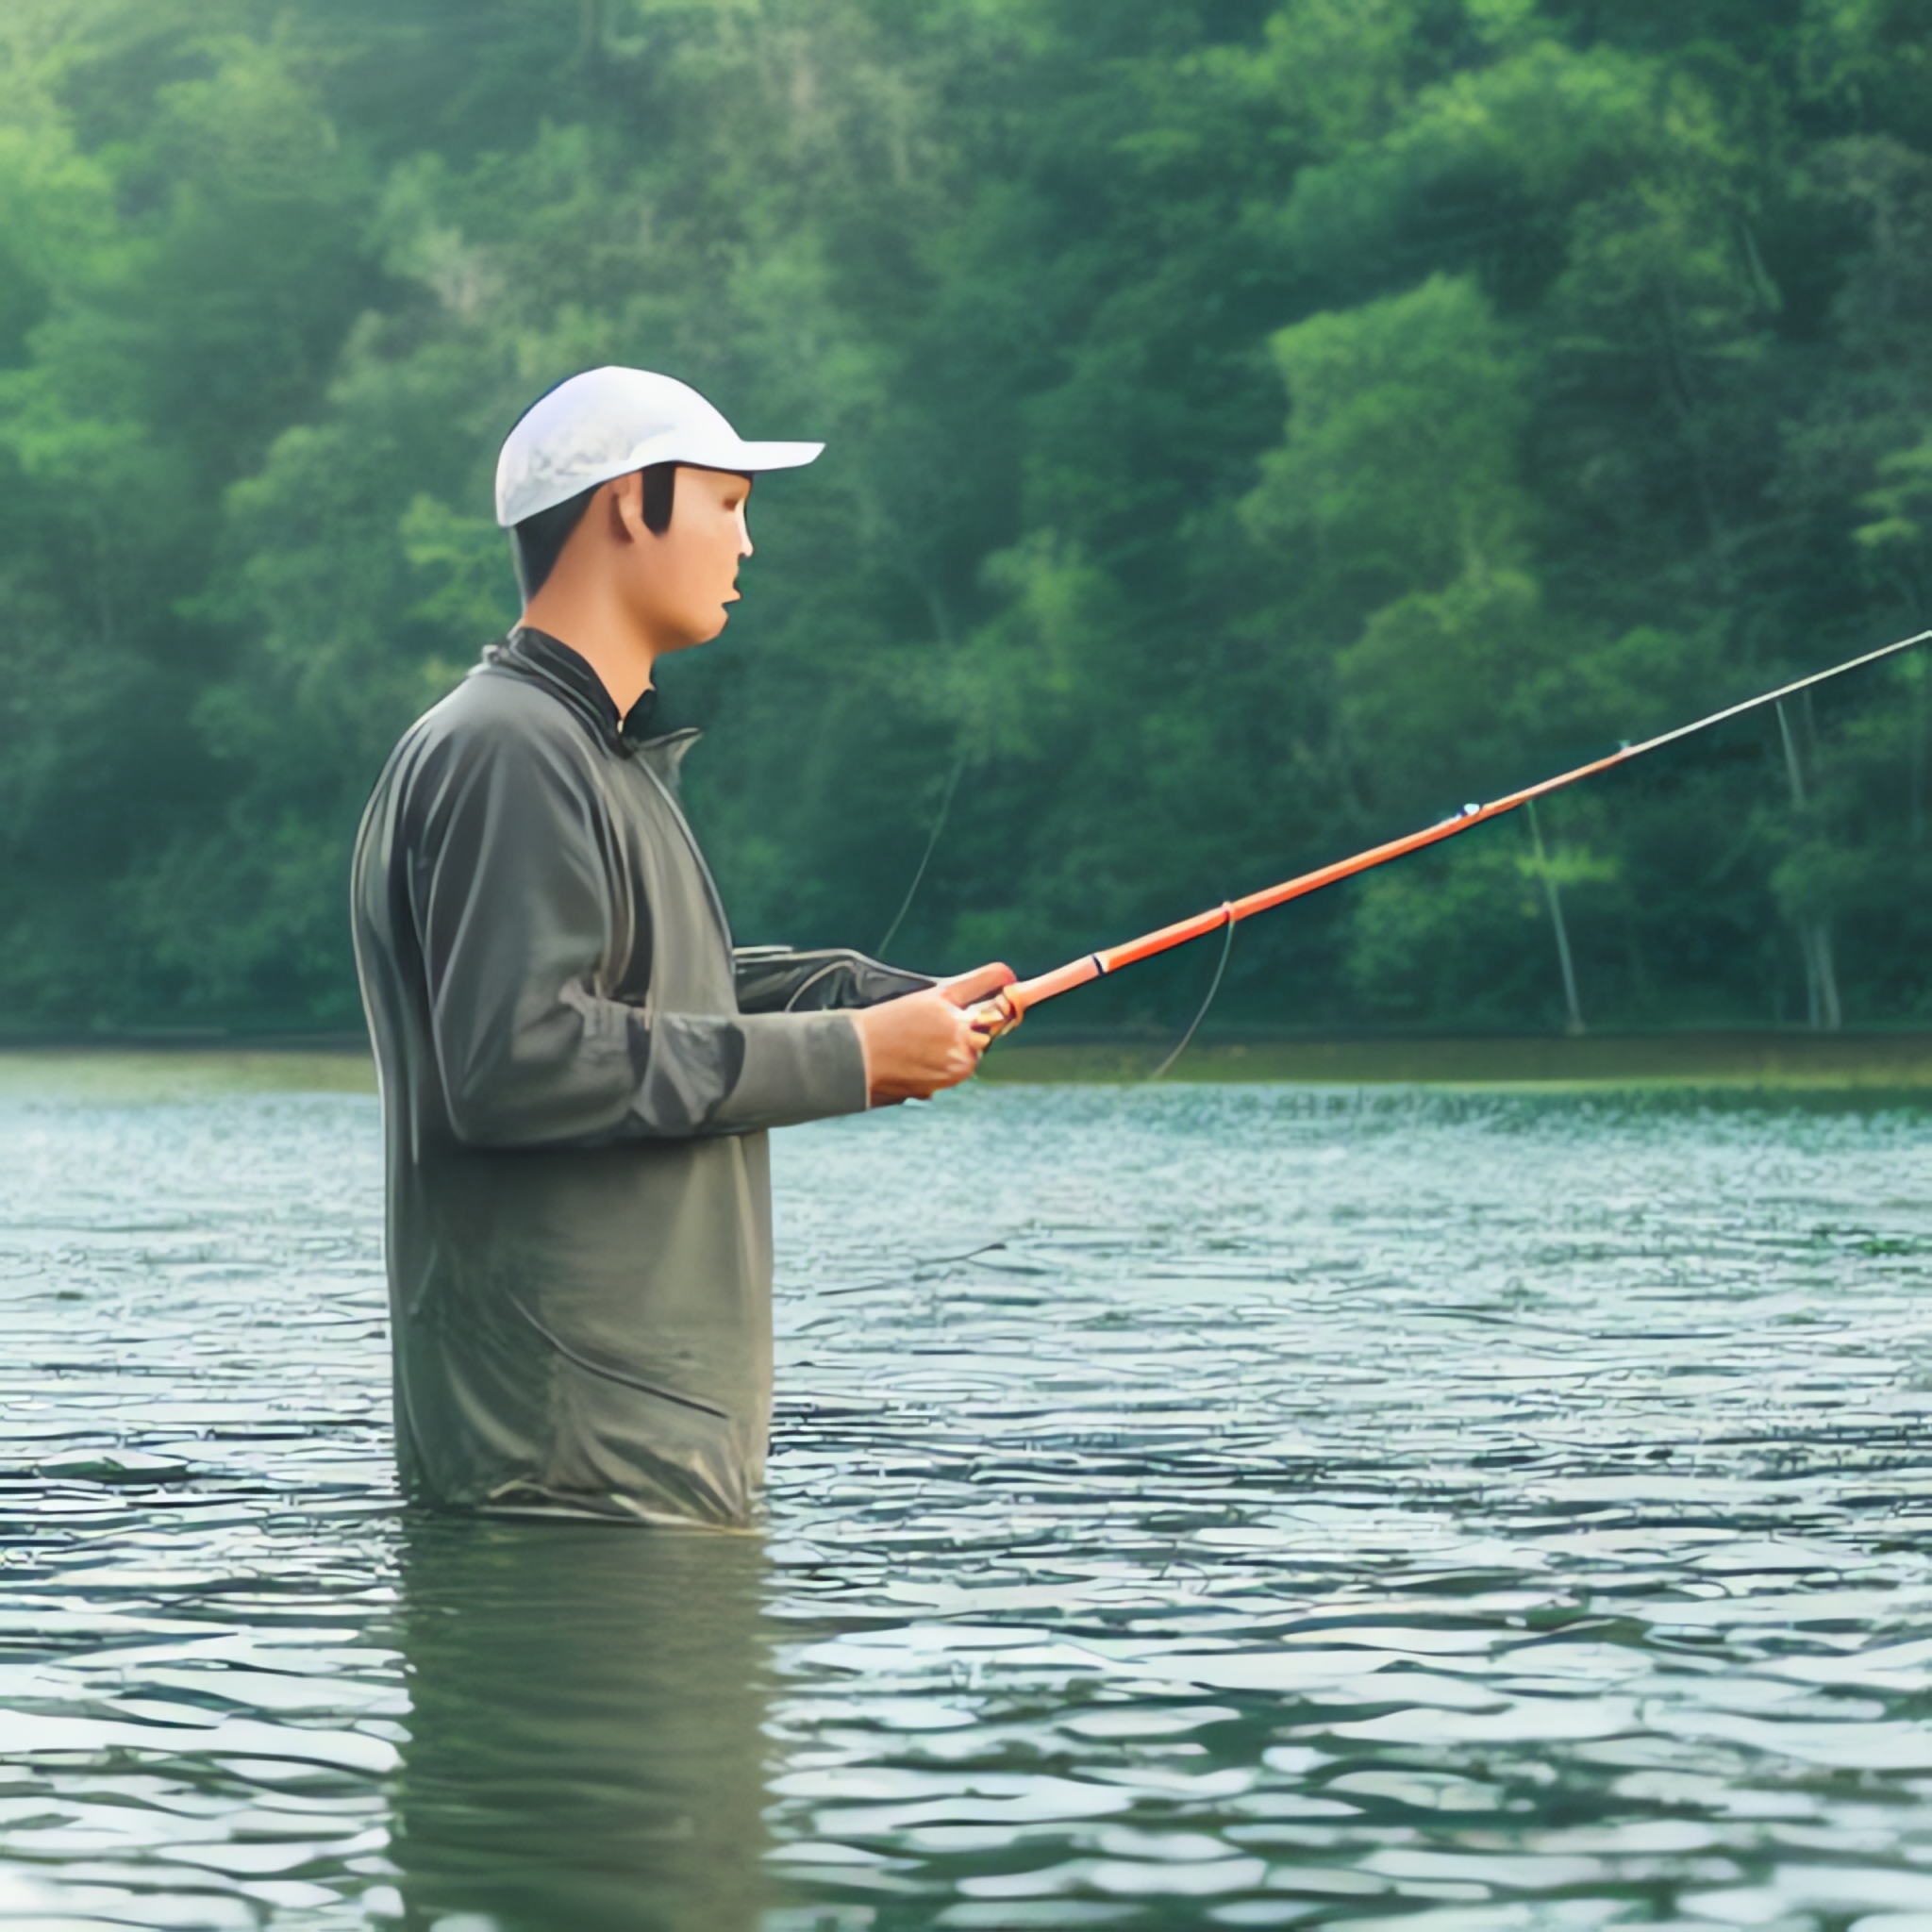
(1189, 1507)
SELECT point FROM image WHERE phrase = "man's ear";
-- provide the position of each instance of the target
(624, 508)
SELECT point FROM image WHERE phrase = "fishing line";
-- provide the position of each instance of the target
(1214, 988)
(939, 826)
(918, 1274)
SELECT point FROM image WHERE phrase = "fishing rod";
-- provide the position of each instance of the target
(1006, 1009)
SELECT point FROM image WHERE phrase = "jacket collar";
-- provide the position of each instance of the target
(552, 663)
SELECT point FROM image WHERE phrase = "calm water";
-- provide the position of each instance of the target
(1318, 1510)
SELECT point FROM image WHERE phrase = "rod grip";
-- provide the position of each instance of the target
(995, 1016)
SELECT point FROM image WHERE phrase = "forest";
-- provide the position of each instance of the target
(1255, 428)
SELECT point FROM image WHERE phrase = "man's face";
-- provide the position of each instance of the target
(685, 578)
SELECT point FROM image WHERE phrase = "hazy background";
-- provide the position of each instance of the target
(1253, 429)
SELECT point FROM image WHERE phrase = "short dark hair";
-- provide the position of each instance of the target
(538, 542)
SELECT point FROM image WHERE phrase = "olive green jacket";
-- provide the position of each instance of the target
(577, 1074)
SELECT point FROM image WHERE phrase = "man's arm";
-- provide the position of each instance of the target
(774, 980)
(913, 1046)
(511, 907)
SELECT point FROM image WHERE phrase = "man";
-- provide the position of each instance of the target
(577, 1071)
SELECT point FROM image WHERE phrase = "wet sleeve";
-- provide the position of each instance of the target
(513, 901)
(774, 980)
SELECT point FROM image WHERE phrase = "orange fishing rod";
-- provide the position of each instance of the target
(1006, 1009)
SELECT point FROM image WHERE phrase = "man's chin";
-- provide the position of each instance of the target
(694, 638)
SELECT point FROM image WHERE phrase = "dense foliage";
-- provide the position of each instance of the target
(1253, 429)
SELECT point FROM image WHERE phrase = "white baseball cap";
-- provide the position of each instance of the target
(609, 421)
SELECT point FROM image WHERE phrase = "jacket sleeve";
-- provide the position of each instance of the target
(774, 980)
(514, 889)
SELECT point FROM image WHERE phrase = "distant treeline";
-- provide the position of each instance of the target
(1253, 429)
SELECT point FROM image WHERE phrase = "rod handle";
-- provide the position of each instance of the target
(994, 1016)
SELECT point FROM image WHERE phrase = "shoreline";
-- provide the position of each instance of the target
(1822, 1062)
(1853, 1063)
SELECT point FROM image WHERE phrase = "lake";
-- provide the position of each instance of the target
(1190, 1506)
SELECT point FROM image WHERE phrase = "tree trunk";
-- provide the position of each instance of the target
(1555, 900)
(1916, 802)
(1823, 1011)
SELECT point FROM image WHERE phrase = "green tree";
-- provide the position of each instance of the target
(1255, 427)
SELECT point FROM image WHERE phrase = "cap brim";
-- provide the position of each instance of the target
(716, 451)
(759, 456)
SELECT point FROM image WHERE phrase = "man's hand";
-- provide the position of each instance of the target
(968, 989)
(921, 1042)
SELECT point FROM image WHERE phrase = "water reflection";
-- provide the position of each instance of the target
(585, 1745)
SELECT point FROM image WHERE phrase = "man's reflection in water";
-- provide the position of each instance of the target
(584, 1742)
